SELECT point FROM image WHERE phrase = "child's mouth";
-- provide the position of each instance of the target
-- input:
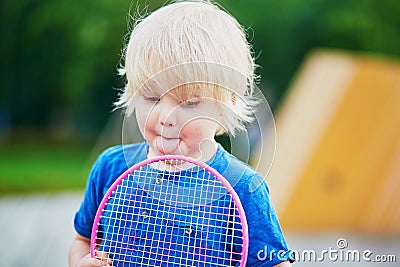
(167, 145)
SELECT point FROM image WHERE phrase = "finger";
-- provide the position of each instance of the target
(93, 262)
(103, 256)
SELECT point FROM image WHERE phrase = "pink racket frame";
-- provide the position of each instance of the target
(227, 185)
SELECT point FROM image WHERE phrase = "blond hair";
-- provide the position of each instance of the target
(190, 42)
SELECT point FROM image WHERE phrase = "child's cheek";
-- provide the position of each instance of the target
(194, 131)
(145, 122)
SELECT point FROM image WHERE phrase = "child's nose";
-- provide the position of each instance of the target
(167, 114)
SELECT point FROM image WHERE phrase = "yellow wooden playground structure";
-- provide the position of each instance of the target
(337, 161)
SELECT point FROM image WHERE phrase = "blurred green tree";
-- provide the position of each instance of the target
(283, 32)
(59, 58)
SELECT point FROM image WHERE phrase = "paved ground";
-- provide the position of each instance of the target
(37, 231)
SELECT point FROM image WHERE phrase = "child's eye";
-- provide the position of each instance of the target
(152, 99)
(191, 103)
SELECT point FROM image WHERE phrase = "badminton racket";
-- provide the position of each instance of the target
(170, 211)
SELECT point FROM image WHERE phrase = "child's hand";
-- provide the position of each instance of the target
(88, 261)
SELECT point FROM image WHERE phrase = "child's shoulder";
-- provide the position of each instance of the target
(229, 160)
(235, 170)
(127, 153)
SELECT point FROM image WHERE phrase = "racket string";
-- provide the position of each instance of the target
(133, 207)
(175, 236)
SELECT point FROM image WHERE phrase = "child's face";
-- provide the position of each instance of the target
(178, 127)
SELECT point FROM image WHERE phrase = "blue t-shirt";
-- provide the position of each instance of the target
(267, 246)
